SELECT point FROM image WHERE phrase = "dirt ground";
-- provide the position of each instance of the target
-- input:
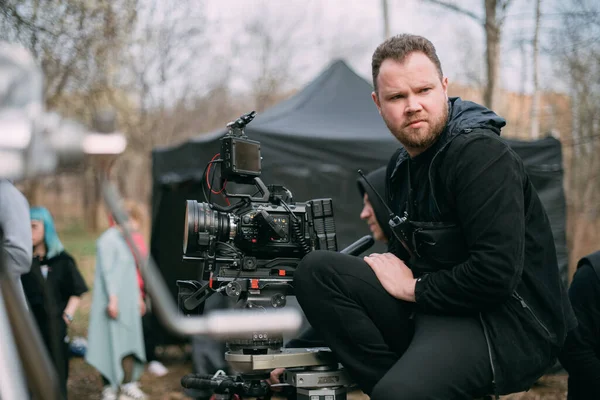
(84, 383)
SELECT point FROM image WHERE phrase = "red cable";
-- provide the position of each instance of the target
(208, 174)
(208, 183)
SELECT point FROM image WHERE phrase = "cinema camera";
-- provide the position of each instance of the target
(249, 251)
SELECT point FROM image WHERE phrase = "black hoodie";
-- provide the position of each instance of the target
(581, 353)
(377, 179)
(508, 275)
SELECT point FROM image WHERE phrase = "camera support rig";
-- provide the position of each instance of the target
(309, 373)
(249, 251)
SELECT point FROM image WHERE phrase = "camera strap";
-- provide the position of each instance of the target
(400, 225)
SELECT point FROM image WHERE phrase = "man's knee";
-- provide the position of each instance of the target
(311, 267)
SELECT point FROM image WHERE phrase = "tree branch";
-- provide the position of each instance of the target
(503, 6)
(10, 12)
(453, 7)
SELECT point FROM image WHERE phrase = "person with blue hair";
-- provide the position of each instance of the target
(53, 289)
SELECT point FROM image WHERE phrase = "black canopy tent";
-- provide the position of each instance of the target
(313, 143)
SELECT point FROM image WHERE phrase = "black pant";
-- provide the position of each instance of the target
(391, 352)
(151, 328)
(53, 331)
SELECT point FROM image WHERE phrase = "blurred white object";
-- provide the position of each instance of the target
(132, 391)
(109, 393)
(157, 368)
(32, 141)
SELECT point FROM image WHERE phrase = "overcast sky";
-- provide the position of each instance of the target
(307, 35)
(313, 32)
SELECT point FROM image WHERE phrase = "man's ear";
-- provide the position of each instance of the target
(445, 85)
(376, 100)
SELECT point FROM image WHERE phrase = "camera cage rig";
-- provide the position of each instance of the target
(264, 236)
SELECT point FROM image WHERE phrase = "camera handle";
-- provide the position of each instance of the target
(199, 294)
(264, 191)
(236, 128)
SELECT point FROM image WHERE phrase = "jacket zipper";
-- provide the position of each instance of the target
(535, 317)
(489, 347)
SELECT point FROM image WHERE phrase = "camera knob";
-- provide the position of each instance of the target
(278, 300)
(233, 289)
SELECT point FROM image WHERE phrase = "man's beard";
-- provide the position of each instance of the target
(414, 138)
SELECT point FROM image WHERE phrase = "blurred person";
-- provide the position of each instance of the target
(374, 211)
(53, 288)
(581, 354)
(468, 300)
(150, 323)
(16, 233)
(115, 338)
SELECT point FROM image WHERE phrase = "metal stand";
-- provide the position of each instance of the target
(310, 373)
(314, 373)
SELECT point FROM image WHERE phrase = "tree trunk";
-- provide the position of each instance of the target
(32, 191)
(492, 54)
(535, 103)
(386, 19)
(91, 194)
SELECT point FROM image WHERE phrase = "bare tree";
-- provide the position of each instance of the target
(492, 23)
(472, 71)
(163, 60)
(75, 42)
(535, 104)
(271, 39)
(576, 52)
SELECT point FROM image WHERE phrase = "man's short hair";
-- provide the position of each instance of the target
(398, 48)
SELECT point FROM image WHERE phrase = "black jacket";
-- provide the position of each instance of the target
(47, 299)
(581, 354)
(498, 261)
(377, 179)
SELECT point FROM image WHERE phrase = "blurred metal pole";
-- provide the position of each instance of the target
(18, 332)
(12, 384)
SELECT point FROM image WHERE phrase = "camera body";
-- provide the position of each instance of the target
(261, 240)
(250, 249)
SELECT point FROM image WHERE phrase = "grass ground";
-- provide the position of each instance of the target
(84, 382)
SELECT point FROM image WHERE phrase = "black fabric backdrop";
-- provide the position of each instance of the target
(313, 143)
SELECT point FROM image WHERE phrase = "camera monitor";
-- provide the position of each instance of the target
(241, 158)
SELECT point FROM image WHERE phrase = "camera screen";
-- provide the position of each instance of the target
(247, 157)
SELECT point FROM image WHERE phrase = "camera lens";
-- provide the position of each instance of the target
(203, 224)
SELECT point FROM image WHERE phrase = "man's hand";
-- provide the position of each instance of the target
(274, 378)
(395, 277)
